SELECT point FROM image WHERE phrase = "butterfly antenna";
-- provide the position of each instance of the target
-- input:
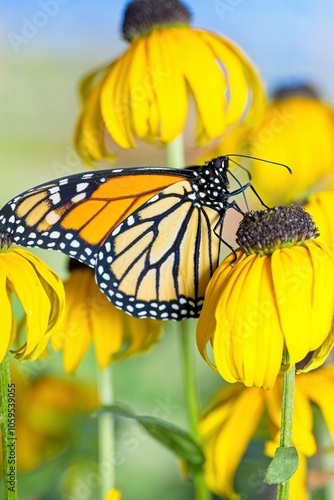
(240, 185)
(262, 159)
(242, 167)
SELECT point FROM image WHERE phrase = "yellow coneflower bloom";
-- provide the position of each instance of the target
(145, 91)
(90, 317)
(275, 293)
(226, 432)
(40, 293)
(297, 129)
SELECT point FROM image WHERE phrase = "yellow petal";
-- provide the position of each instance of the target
(140, 90)
(246, 89)
(298, 482)
(248, 343)
(115, 99)
(35, 302)
(207, 323)
(318, 385)
(75, 334)
(237, 83)
(108, 331)
(320, 355)
(226, 449)
(220, 409)
(302, 278)
(167, 82)
(6, 312)
(89, 135)
(206, 80)
(53, 286)
(141, 335)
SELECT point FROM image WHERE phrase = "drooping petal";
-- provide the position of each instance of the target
(307, 290)
(6, 313)
(108, 332)
(141, 335)
(90, 317)
(115, 100)
(235, 74)
(320, 355)
(318, 386)
(42, 298)
(74, 335)
(298, 482)
(208, 91)
(53, 286)
(34, 300)
(245, 86)
(248, 343)
(225, 449)
(89, 135)
(168, 85)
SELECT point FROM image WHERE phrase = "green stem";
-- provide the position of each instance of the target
(175, 158)
(192, 401)
(106, 433)
(175, 153)
(283, 489)
(7, 413)
(191, 392)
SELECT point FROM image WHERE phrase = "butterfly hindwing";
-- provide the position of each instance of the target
(158, 261)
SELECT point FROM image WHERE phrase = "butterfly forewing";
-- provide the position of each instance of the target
(76, 214)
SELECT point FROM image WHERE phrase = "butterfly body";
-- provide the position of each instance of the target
(150, 233)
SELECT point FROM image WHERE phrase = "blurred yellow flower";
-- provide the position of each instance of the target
(226, 432)
(277, 292)
(90, 317)
(40, 293)
(298, 130)
(46, 408)
(113, 495)
(145, 91)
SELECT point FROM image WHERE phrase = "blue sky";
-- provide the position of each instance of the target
(285, 39)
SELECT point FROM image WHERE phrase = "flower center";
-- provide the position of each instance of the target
(5, 241)
(264, 231)
(301, 90)
(143, 16)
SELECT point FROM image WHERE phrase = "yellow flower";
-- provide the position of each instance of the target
(145, 91)
(226, 432)
(89, 316)
(46, 407)
(277, 292)
(40, 293)
(297, 129)
(321, 207)
(113, 495)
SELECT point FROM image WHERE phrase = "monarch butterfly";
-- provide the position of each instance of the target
(152, 234)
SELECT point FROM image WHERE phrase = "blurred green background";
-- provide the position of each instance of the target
(42, 63)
